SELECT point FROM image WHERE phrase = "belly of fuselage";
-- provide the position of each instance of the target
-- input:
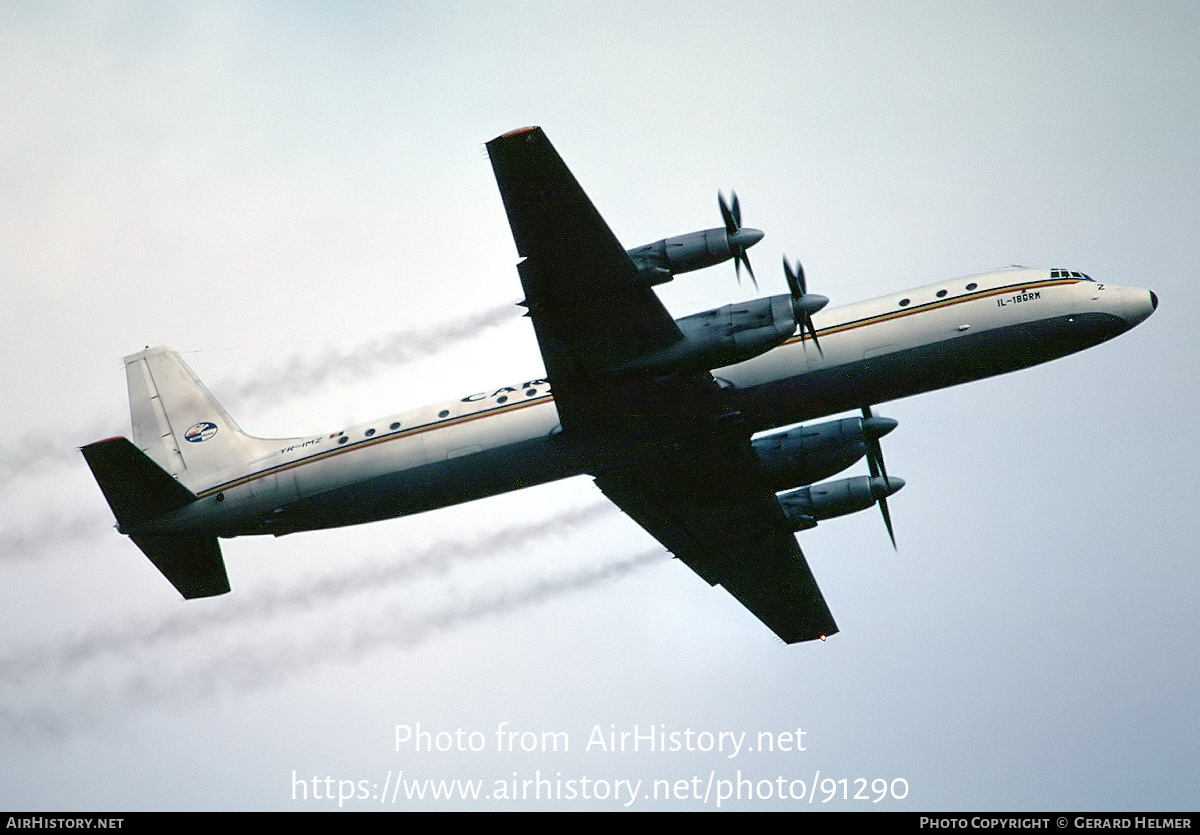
(865, 381)
(431, 486)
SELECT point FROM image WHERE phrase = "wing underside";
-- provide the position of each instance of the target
(692, 480)
(670, 450)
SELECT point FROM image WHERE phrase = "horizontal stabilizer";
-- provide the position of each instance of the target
(136, 488)
(193, 564)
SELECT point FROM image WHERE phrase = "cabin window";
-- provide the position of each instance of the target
(502, 398)
(343, 439)
(530, 392)
(395, 425)
(941, 294)
(972, 286)
(370, 432)
(444, 413)
(905, 302)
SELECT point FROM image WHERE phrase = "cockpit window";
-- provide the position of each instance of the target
(1069, 274)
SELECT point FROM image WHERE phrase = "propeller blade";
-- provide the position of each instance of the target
(874, 451)
(803, 304)
(743, 258)
(812, 331)
(877, 469)
(739, 239)
(795, 279)
(887, 521)
(731, 223)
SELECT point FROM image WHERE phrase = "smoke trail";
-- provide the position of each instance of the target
(269, 384)
(420, 629)
(39, 449)
(242, 611)
(301, 372)
(246, 667)
(50, 530)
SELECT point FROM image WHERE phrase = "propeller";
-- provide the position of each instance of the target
(804, 304)
(875, 428)
(739, 239)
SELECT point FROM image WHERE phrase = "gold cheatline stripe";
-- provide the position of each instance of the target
(409, 432)
(921, 308)
(426, 427)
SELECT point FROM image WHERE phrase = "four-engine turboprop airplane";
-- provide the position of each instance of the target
(666, 414)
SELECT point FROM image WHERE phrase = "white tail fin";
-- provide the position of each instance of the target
(179, 424)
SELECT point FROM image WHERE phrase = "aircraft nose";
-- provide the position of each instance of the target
(1138, 305)
(1147, 304)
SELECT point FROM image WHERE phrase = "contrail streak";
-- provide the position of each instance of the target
(39, 449)
(393, 627)
(301, 372)
(51, 530)
(248, 667)
(241, 611)
(269, 384)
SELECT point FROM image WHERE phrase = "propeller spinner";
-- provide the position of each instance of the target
(740, 239)
(804, 303)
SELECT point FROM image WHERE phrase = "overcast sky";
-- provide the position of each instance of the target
(297, 197)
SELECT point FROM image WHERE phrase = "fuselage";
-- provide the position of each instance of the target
(505, 438)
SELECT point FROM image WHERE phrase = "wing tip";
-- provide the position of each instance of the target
(517, 132)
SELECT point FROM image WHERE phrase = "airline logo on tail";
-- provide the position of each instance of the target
(200, 432)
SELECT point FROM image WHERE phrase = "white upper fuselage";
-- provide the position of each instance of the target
(504, 438)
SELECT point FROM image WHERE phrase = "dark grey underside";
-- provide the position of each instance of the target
(429, 487)
(811, 395)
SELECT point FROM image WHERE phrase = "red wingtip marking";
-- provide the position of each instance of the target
(517, 132)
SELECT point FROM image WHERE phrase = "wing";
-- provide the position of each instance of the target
(670, 450)
(688, 475)
(581, 287)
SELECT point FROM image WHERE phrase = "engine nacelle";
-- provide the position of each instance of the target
(661, 261)
(722, 336)
(807, 454)
(806, 506)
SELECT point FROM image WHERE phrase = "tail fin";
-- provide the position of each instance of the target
(179, 424)
(138, 490)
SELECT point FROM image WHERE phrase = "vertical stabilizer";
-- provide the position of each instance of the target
(179, 424)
